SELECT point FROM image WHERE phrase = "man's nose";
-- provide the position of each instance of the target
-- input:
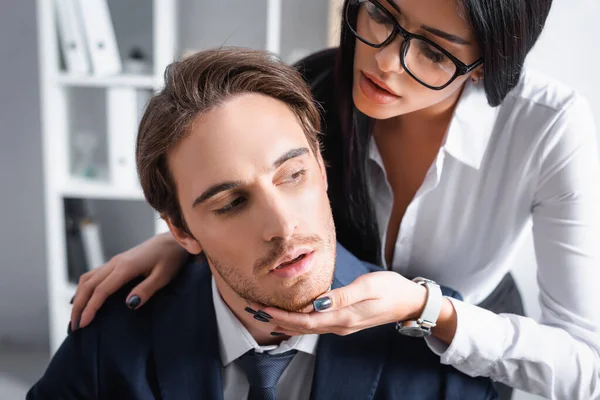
(279, 220)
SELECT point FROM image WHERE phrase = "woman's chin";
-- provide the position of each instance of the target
(373, 110)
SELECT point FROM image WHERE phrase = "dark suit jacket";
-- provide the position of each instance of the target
(169, 350)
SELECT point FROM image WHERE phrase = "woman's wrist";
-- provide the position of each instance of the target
(420, 297)
(447, 322)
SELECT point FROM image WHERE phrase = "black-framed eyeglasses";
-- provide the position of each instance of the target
(424, 60)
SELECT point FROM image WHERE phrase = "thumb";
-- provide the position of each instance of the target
(341, 297)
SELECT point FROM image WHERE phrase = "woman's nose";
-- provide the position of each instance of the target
(388, 57)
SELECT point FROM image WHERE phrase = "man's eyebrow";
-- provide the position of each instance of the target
(444, 35)
(289, 155)
(214, 190)
(221, 187)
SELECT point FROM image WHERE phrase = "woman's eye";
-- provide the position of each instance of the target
(234, 205)
(434, 56)
(376, 14)
(430, 53)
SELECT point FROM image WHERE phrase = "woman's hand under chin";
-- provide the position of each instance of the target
(373, 299)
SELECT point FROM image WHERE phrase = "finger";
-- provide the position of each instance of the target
(86, 276)
(308, 309)
(140, 294)
(109, 285)
(85, 289)
(281, 332)
(286, 320)
(254, 307)
(344, 325)
(309, 323)
(337, 299)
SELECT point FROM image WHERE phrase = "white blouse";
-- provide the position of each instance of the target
(531, 163)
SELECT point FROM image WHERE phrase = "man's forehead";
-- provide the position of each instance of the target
(239, 139)
(248, 118)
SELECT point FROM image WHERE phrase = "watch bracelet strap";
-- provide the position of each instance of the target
(433, 305)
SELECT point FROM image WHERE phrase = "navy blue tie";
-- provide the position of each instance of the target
(263, 371)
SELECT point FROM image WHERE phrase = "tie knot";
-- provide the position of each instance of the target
(263, 370)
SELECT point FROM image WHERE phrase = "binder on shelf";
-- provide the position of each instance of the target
(76, 260)
(83, 239)
(100, 37)
(71, 36)
(92, 243)
(122, 113)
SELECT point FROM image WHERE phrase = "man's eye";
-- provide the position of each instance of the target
(234, 205)
(296, 176)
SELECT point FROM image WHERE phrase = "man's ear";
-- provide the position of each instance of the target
(322, 167)
(186, 240)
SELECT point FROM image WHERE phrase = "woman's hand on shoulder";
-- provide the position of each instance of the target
(159, 259)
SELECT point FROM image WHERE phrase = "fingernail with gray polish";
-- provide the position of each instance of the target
(249, 310)
(277, 334)
(260, 318)
(133, 302)
(72, 298)
(322, 304)
(264, 314)
(77, 323)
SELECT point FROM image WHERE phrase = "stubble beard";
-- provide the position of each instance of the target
(294, 294)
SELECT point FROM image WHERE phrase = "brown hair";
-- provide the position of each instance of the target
(196, 85)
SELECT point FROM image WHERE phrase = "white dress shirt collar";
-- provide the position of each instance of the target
(235, 340)
(471, 126)
(469, 131)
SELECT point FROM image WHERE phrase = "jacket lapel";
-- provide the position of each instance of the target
(185, 342)
(349, 367)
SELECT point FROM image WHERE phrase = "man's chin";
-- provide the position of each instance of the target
(293, 306)
(298, 299)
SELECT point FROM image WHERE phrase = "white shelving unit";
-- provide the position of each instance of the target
(56, 91)
(71, 102)
(135, 81)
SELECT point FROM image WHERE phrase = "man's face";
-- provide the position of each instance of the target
(254, 197)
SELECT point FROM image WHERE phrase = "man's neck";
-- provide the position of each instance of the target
(260, 331)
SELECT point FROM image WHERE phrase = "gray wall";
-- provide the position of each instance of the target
(208, 23)
(23, 300)
(568, 51)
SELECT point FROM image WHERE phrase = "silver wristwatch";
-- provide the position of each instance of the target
(428, 319)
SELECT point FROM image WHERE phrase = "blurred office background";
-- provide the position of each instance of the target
(37, 100)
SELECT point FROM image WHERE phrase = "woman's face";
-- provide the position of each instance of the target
(382, 89)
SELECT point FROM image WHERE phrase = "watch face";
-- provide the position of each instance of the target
(413, 332)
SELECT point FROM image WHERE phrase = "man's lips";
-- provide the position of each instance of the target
(296, 266)
(291, 256)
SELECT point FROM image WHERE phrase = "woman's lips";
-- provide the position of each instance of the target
(374, 92)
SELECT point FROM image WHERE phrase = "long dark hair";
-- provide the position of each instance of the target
(506, 30)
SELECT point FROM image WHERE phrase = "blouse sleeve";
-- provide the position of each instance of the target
(558, 357)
